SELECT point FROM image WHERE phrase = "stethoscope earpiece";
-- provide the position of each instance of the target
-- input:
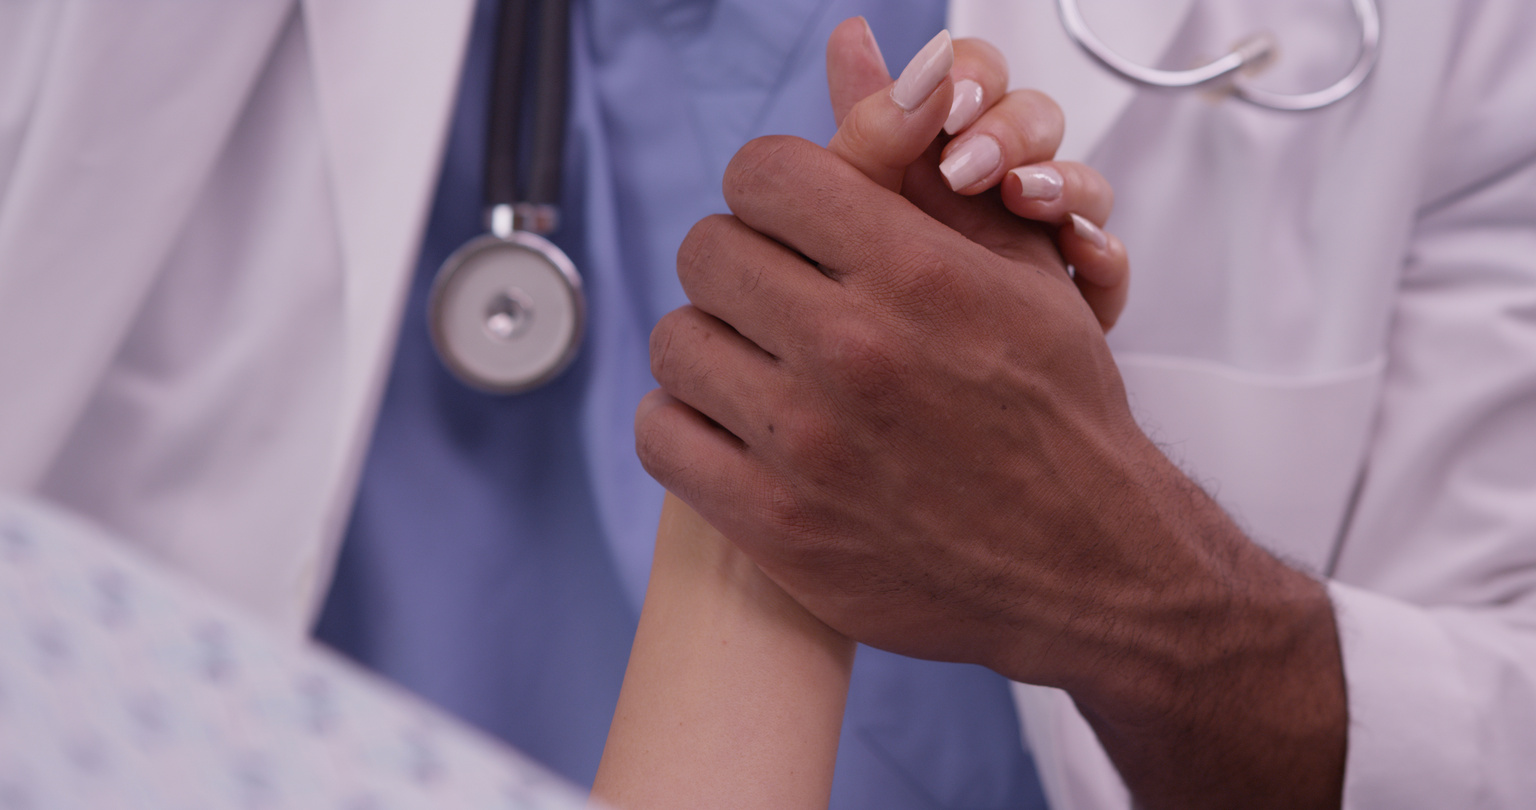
(1229, 69)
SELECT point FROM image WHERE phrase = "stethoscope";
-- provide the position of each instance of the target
(506, 312)
(1252, 53)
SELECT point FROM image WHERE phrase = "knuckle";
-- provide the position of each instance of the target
(648, 443)
(981, 58)
(749, 277)
(663, 339)
(807, 435)
(1096, 187)
(654, 446)
(762, 163)
(1045, 108)
(1086, 191)
(861, 136)
(701, 248)
(865, 359)
(1037, 118)
(920, 281)
(926, 277)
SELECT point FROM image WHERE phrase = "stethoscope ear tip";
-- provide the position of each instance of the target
(1235, 69)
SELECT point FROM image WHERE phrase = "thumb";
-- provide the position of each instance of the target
(855, 68)
(886, 131)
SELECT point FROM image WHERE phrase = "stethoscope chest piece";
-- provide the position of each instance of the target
(506, 314)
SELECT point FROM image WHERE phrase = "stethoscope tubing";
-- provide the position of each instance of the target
(507, 311)
(1228, 69)
(503, 133)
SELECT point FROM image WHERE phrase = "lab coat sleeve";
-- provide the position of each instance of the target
(1435, 583)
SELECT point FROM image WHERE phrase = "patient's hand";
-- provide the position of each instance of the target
(996, 148)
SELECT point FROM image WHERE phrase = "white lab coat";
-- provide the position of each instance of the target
(1333, 328)
(1333, 324)
(216, 418)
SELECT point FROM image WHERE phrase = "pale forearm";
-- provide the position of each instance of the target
(734, 694)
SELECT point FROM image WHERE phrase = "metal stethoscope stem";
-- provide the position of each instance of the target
(1228, 69)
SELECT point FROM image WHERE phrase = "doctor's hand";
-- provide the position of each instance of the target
(994, 143)
(903, 410)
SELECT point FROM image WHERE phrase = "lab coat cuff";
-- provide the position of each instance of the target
(1412, 732)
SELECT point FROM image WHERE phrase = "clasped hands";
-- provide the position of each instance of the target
(883, 387)
(892, 396)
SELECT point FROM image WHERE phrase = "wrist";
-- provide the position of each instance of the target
(1260, 650)
(1251, 711)
(1210, 670)
(696, 564)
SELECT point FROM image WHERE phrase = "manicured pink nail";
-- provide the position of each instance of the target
(966, 106)
(923, 74)
(971, 162)
(1089, 231)
(1041, 183)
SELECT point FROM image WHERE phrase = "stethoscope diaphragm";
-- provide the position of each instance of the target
(507, 314)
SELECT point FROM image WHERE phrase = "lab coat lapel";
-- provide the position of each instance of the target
(1042, 56)
(385, 75)
(132, 104)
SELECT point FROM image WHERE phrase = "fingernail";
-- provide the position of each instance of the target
(966, 106)
(872, 45)
(971, 161)
(1089, 231)
(1041, 183)
(923, 74)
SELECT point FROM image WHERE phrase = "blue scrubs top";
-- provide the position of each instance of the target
(500, 545)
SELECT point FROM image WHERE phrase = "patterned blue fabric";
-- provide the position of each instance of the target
(500, 546)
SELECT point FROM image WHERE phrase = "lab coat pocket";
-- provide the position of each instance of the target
(1281, 453)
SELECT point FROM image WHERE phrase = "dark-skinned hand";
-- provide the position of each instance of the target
(901, 407)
